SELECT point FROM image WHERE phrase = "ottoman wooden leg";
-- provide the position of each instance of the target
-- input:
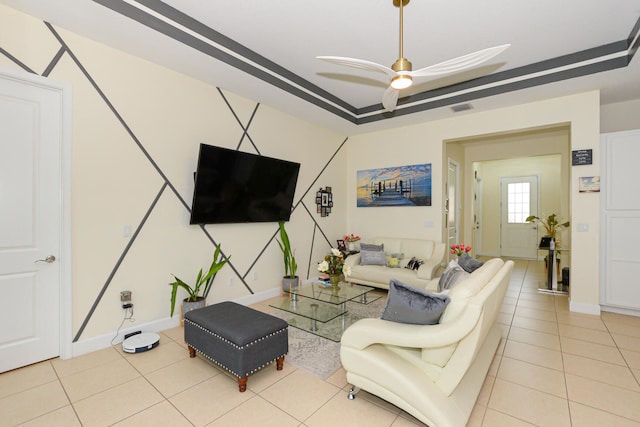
(192, 352)
(242, 383)
(279, 363)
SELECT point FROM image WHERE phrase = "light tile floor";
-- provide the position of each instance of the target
(553, 368)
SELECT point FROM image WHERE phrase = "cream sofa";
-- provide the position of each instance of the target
(432, 253)
(434, 372)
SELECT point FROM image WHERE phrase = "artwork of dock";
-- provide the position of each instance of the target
(387, 193)
(395, 186)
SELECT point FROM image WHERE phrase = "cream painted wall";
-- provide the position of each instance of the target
(546, 168)
(114, 183)
(531, 144)
(620, 116)
(397, 147)
(424, 142)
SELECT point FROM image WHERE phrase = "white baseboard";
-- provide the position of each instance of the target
(579, 307)
(103, 341)
(619, 310)
(260, 296)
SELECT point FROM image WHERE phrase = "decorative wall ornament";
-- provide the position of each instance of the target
(324, 200)
(395, 186)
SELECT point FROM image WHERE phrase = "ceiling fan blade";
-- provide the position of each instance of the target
(358, 63)
(390, 98)
(461, 63)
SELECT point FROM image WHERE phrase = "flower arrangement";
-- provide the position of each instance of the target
(459, 249)
(333, 264)
(351, 238)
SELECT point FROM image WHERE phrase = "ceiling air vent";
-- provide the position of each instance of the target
(461, 107)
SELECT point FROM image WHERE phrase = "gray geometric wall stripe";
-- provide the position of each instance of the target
(16, 61)
(244, 59)
(85, 322)
(167, 183)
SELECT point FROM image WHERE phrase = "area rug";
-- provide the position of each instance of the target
(320, 356)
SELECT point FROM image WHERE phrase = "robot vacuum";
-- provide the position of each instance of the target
(141, 342)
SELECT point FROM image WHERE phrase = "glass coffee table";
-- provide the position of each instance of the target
(322, 309)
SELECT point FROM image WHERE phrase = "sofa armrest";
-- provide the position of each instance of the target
(352, 260)
(366, 332)
(430, 268)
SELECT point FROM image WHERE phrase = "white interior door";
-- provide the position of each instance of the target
(519, 199)
(476, 245)
(31, 128)
(451, 205)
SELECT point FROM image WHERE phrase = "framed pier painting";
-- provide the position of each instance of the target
(395, 186)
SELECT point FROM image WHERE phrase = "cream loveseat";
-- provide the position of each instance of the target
(432, 253)
(433, 372)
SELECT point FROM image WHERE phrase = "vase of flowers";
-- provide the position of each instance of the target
(460, 249)
(333, 265)
(351, 240)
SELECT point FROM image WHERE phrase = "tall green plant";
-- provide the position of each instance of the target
(552, 224)
(203, 281)
(290, 266)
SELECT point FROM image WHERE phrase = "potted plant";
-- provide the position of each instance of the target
(351, 240)
(198, 293)
(552, 224)
(333, 265)
(290, 266)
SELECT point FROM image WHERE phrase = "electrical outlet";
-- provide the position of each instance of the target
(125, 296)
(255, 276)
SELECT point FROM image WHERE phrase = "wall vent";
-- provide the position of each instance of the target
(461, 107)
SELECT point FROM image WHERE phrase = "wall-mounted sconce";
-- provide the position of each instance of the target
(324, 201)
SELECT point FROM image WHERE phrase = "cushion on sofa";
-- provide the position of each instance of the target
(452, 275)
(468, 264)
(414, 263)
(406, 304)
(370, 247)
(393, 260)
(372, 257)
(467, 288)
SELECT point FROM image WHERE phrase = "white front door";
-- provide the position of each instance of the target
(31, 128)
(519, 199)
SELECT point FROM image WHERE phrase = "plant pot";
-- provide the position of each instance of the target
(334, 279)
(289, 283)
(187, 306)
(352, 246)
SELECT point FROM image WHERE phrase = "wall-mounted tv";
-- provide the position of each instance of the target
(235, 187)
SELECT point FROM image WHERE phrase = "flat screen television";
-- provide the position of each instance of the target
(236, 187)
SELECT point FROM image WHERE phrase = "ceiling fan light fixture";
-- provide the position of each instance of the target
(401, 81)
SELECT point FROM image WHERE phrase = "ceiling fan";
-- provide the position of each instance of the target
(401, 72)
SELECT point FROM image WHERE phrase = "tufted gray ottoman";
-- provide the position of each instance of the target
(237, 338)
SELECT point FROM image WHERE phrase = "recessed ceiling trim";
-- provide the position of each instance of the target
(515, 80)
(218, 46)
(174, 24)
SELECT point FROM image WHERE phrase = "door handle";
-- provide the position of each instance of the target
(48, 259)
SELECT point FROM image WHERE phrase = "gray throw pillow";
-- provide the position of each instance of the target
(469, 264)
(452, 275)
(406, 304)
(371, 248)
(372, 257)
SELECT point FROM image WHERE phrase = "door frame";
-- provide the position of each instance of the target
(456, 202)
(64, 89)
